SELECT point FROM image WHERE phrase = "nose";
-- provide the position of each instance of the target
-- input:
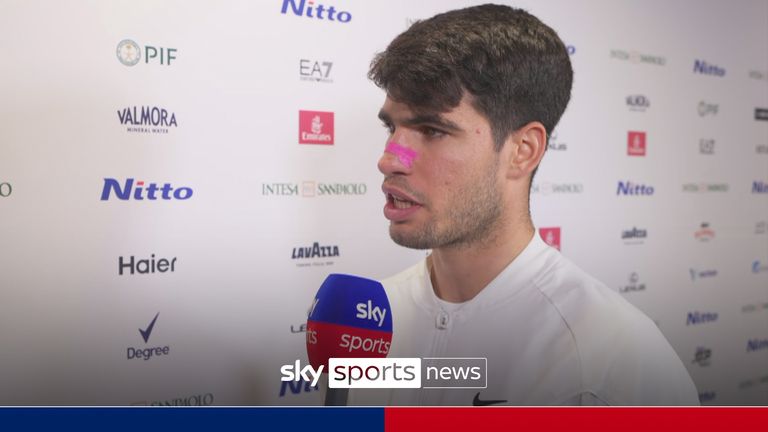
(396, 159)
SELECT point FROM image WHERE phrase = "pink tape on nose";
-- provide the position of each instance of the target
(405, 155)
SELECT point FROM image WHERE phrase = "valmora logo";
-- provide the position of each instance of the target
(551, 236)
(315, 251)
(139, 193)
(315, 127)
(307, 8)
(759, 187)
(636, 143)
(704, 68)
(638, 103)
(696, 317)
(761, 113)
(147, 119)
(629, 188)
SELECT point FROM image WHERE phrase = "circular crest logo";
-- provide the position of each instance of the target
(128, 52)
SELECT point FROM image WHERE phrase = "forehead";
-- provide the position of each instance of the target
(464, 115)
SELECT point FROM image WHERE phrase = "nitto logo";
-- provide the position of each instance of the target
(139, 193)
(5, 189)
(696, 317)
(638, 103)
(315, 127)
(636, 143)
(551, 236)
(629, 188)
(758, 268)
(315, 70)
(759, 187)
(297, 387)
(704, 68)
(308, 9)
(757, 344)
(147, 119)
(129, 53)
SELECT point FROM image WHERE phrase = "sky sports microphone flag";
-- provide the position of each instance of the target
(350, 317)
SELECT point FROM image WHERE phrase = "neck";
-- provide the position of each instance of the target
(460, 272)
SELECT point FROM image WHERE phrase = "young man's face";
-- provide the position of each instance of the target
(441, 176)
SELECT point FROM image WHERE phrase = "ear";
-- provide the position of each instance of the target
(527, 148)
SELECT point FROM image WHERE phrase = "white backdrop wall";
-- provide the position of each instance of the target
(232, 77)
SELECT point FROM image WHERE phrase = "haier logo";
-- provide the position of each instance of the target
(630, 188)
(315, 127)
(315, 70)
(147, 119)
(696, 317)
(638, 103)
(702, 274)
(308, 9)
(759, 187)
(127, 191)
(757, 345)
(636, 143)
(551, 236)
(129, 53)
(704, 68)
(145, 266)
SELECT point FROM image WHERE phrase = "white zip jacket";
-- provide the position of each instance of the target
(552, 334)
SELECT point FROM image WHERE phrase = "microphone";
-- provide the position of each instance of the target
(350, 318)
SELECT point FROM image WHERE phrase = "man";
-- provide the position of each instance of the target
(472, 95)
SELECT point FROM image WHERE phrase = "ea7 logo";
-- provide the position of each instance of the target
(319, 71)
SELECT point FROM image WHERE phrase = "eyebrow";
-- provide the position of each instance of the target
(424, 119)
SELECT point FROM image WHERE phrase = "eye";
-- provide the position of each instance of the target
(431, 132)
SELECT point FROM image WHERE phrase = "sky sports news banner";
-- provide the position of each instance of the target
(177, 181)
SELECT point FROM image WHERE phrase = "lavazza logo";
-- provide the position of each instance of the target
(139, 191)
(308, 9)
(637, 57)
(315, 255)
(315, 127)
(315, 70)
(634, 236)
(703, 68)
(147, 119)
(638, 103)
(706, 108)
(129, 53)
(761, 113)
(549, 188)
(311, 189)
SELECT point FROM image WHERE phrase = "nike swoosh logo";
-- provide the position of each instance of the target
(145, 333)
(478, 402)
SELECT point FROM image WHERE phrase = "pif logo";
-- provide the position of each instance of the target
(315, 127)
(5, 189)
(129, 53)
(636, 143)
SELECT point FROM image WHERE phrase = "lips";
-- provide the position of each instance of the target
(400, 205)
